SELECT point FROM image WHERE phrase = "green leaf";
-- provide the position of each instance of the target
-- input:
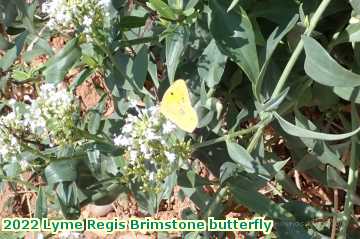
(277, 11)
(291, 230)
(68, 198)
(304, 212)
(59, 65)
(176, 4)
(175, 46)
(41, 209)
(305, 133)
(348, 93)
(27, 11)
(271, 44)
(242, 157)
(4, 44)
(163, 9)
(140, 66)
(191, 4)
(153, 71)
(211, 65)
(273, 104)
(129, 22)
(334, 180)
(61, 171)
(12, 54)
(94, 161)
(355, 5)
(94, 121)
(81, 77)
(235, 37)
(20, 75)
(12, 169)
(95, 116)
(288, 184)
(8, 12)
(325, 70)
(189, 179)
(260, 204)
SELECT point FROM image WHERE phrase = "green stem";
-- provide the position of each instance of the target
(314, 20)
(255, 139)
(225, 137)
(352, 178)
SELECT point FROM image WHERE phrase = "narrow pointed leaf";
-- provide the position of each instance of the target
(235, 37)
(322, 68)
(305, 133)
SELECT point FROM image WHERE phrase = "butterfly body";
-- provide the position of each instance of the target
(176, 106)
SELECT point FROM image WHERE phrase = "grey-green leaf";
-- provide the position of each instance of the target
(271, 44)
(356, 5)
(175, 46)
(348, 93)
(260, 204)
(242, 157)
(140, 66)
(11, 55)
(163, 9)
(305, 133)
(211, 64)
(41, 204)
(59, 65)
(325, 70)
(61, 171)
(235, 37)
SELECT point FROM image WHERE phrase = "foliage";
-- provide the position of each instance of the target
(251, 66)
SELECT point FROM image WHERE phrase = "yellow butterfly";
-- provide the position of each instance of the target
(176, 106)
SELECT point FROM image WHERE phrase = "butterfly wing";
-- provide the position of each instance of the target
(176, 106)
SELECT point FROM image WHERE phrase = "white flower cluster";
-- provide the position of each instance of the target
(46, 119)
(152, 150)
(9, 147)
(85, 15)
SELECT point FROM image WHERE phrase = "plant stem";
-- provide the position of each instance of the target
(255, 139)
(225, 137)
(352, 177)
(314, 20)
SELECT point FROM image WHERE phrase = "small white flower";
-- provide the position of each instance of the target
(27, 98)
(122, 141)
(168, 127)
(24, 164)
(87, 21)
(127, 128)
(105, 3)
(151, 176)
(133, 155)
(13, 141)
(150, 135)
(144, 149)
(170, 156)
(147, 156)
(12, 102)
